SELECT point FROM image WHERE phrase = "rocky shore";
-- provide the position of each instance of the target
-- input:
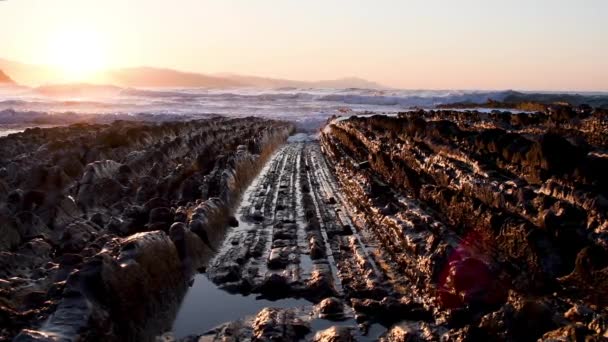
(297, 240)
(494, 223)
(426, 226)
(102, 225)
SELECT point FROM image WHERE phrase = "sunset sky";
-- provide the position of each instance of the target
(466, 44)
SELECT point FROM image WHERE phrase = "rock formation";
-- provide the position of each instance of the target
(102, 225)
(426, 226)
(5, 79)
(497, 221)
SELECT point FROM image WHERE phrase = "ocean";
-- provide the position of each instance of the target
(283, 102)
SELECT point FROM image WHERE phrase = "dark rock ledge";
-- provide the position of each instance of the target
(101, 226)
(497, 221)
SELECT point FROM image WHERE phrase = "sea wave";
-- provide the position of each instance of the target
(153, 93)
(77, 90)
(351, 96)
(412, 100)
(288, 102)
(205, 94)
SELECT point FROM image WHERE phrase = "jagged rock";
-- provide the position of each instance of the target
(335, 334)
(274, 286)
(317, 251)
(410, 331)
(160, 215)
(330, 306)
(177, 233)
(320, 284)
(472, 205)
(390, 310)
(579, 313)
(181, 215)
(574, 332)
(67, 194)
(272, 324)
(76, 236)
(590, 272)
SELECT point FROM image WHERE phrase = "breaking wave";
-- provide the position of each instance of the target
(289, 102)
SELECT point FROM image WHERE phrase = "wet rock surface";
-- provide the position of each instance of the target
(102, 226)
(491, 225)
(432, 226)
(297, 238)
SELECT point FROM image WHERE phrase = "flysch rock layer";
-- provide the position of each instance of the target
(436, 225)
(102, 226)
(296, 239)
(494, 222)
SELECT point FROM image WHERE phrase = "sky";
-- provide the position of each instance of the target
(412, 44)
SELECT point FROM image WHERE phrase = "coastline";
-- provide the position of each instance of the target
(8, 129)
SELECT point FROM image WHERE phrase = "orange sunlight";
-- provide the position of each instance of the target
(79, 54)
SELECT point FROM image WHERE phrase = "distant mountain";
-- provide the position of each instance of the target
(161, 77)
(265, 82)
(348, 82)
(29, 74)
(4, 79)
(157, 77)
(261, 82)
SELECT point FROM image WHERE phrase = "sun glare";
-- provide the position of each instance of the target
(79, 54)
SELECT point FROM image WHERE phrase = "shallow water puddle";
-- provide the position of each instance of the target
(373, 333)
(206, 306)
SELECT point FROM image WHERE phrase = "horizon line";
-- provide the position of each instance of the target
(235, 74)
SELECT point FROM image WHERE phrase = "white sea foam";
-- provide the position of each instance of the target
(290, 103)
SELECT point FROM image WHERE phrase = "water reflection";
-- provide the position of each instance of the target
(206, 306)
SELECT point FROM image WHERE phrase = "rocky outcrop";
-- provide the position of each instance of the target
(103, 225)
(297, 238)
(4, 79)
(497, 220)
(436, 225)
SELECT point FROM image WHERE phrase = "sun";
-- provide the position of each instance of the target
(78, 53)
